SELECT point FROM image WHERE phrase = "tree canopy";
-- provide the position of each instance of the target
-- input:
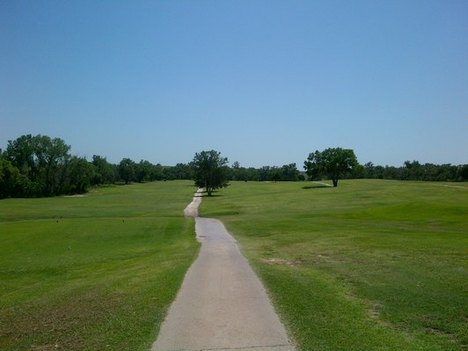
(41, 161)
(332, 162)
(210, 170)
(127, 170)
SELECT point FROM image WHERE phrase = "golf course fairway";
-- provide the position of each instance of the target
(370, 265)
(96, 272)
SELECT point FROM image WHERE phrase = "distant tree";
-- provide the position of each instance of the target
(236, 172)
(412, 171)
(332, 162)
(264, 173)
(252, 173)
(210, 170)
(463, 172)
(21, 153)
(275, 174)
(79, 175)
(168, 173)
(357, 172)
(157, 172)
(182, 171)
(127, 169)
(143, 171)
(289, 172)
(9, 179)
(52, 157)
(104, 172)
(369, 170)
(41, 159)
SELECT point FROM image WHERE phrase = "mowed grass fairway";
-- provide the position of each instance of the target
(95, 272)
(370, 265)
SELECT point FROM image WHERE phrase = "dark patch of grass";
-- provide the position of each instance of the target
(370, 265)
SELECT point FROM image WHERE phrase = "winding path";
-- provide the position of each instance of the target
(221, 305)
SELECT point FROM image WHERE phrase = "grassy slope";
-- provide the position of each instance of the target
(371, 265)
(92, 273)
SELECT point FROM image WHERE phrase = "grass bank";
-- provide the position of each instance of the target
(370, 265)
(92, 273)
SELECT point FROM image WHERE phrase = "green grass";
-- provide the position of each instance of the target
(370, 265)
(95, 272)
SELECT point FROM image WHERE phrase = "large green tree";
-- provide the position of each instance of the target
(332, 162)
(21, 152)
(41, 159)
(127, 170)
(53, 156)
(210, 170)
(143, 171)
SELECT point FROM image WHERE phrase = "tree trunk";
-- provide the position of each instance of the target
(335, 182)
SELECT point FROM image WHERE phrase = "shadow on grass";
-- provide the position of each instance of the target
(316, 187)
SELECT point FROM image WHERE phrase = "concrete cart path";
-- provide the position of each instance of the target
(221, 305)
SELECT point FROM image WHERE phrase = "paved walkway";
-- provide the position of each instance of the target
(221, 305)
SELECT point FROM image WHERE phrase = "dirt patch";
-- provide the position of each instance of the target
(283, 262)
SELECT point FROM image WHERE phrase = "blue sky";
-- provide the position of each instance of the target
(264, 82)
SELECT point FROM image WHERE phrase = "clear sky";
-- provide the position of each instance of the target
(264, 82)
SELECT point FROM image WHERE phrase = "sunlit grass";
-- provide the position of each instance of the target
(95, 272)
(370, 265)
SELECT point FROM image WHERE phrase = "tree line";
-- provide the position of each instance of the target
(410, 170)
(413, 170)
(35, 166)
(288, 172)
